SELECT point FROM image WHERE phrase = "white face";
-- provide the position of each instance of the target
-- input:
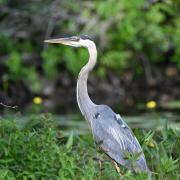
(86, 43)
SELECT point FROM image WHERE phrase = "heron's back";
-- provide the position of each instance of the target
(117, 140)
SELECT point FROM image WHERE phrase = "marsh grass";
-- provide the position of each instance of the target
(39, 150)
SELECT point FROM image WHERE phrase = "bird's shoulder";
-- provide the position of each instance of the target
(105, 113)
(107, 121)
(114, 136)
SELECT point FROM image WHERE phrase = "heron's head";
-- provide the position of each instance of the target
(75, 41)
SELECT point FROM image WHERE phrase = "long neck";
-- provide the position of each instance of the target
(84, 102)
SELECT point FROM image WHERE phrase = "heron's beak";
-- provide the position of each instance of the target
(71, 41)
(65, 41)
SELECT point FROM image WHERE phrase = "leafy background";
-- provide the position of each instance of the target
(137, 74)
(138, 41)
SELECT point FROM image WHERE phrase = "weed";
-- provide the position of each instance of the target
(39, 150)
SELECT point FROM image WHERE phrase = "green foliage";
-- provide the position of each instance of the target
(164, 154)
(32, 78)
(6, 44)
(18, 71)
(52, 57)
(14, 64)
(75, 60)
(176, 39)
(118, 59)
(138, 28)
(39, 150)
(126, 31)
(59, 55)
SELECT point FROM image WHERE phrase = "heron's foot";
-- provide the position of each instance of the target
(117, 168)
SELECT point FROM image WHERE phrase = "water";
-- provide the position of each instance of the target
(77, 124)
(152, 121)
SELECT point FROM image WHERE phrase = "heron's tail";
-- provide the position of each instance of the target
(141, 166)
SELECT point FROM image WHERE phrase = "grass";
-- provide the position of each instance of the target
(39, 150)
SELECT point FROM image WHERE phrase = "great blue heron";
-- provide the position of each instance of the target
(110, 132)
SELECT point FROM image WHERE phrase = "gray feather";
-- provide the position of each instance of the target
(114, 136)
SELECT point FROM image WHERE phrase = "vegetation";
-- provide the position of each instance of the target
(138, 41)
(39, 150)
(136, 38)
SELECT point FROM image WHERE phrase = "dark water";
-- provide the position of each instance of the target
(154, 121)
(77, 124)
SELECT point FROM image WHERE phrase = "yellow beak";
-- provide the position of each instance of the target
(65, 41)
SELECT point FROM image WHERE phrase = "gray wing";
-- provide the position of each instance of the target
(114, 136)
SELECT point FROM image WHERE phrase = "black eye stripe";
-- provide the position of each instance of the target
(77, 38)
(85, 37)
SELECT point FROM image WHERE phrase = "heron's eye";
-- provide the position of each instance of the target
(85, 37)
(75, 38)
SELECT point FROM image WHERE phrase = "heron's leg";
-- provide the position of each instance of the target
(100, 167)
(117, 168)
(100, 161)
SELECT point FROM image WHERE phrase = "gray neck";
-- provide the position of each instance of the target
(84, 102)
